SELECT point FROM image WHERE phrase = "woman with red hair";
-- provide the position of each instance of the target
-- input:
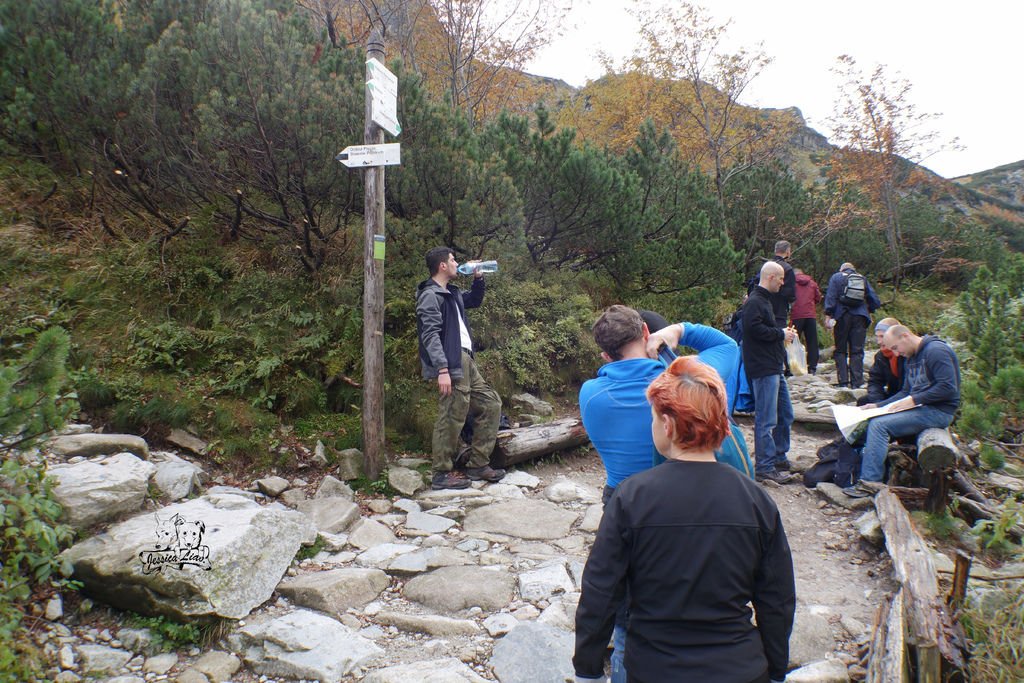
(692, 543)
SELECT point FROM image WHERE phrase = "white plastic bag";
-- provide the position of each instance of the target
(797, 357)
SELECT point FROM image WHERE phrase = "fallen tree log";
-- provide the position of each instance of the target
(802, 414)
(887, 659)
(931, 630)
(972, 511)
(936, 450)
(525, 443)
(964, 485)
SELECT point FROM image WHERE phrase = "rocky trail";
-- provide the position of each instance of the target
(446, 586)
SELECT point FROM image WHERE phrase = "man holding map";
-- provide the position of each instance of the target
(929, 398)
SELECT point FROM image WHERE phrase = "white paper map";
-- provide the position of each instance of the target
(852, 421)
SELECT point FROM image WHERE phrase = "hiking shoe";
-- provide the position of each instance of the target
(774, 476)
(863, 489)
(485, 473)
(449, 480)
(783, 465)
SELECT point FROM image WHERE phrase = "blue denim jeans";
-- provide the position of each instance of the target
(883, 428)
(618, 658)
(773, 416)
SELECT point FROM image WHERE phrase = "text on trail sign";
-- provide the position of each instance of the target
(358, 156)
(382, 88)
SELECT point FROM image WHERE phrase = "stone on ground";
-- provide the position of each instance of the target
(272, 486)
(544, 582)
(368, 532)
(534, 653)
(333, 488)
(219, 666)
(451, 589)
(92, 492)
(336, 590)
(102, 659)
(175, 477)
(190, 442)
(302, 644)
(332, 515)
(350, 464)
(405, 481)
(382, 555)
(448, 670)
(250, 547)
(430, 624)
(824, 671)
(88, 445)
(811, 639)
(425, 521)
(528, 403)
(529, 519)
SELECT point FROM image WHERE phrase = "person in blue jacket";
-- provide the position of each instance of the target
(929, 397)
(614, 406)
(852, 318)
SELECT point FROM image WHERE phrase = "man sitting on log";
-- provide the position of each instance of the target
(929, 398)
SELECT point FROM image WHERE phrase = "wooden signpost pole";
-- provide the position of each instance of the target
(373, 286)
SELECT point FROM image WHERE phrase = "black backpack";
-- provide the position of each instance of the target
(838, 463)
(854, 290)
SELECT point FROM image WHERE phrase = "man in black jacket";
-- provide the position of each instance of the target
(446, 354)
(764, 356)
(783, 300)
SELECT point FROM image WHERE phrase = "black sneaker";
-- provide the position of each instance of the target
(775, 476)
(485, 473)
(449, 480)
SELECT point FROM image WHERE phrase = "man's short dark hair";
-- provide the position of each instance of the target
(437, 256)
(782, 246)
(618, 325)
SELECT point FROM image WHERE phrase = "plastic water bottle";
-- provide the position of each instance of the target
(482, 266)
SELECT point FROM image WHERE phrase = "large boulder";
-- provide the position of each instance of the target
(216, 556)
(92, 492)
(88, 445)
(302, 644)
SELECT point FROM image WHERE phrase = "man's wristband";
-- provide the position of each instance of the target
(443, 371)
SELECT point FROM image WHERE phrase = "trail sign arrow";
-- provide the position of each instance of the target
(358, 156)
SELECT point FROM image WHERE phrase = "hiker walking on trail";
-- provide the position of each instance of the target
(764, 356)
(849, 301)
(804, 316)
(690, 546)
(446, 354)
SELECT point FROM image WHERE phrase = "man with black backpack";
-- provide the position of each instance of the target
(849, 301)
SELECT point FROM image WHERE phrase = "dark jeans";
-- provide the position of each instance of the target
(808, 329)
(850, 332)
(773, 417)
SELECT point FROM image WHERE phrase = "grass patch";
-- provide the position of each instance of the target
(994, 623)
(169, 635)
(307, 552)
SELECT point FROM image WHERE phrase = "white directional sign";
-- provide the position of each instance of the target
(358, 156)
(383, 91)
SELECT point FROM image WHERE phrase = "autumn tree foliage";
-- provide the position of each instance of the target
(881, 136)
(469, 52)
(684, 79)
